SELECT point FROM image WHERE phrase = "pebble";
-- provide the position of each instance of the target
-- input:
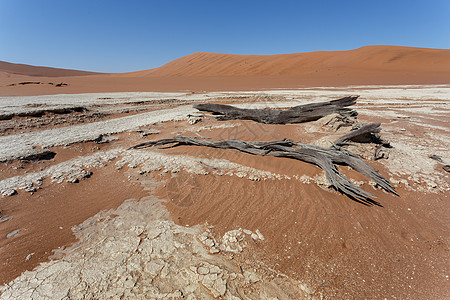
(246, 231)
(202, 270)
(214, 250)
(154, 267)
(5, 218)
(209, 242)
(13, 233)
(261, 237)
(29, 256)
(8, 192)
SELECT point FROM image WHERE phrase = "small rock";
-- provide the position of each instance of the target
(209, 242)
(214, 269)
(38, 154)
(251, 277)
(154, 267)
(5, 218)
(232, 297)
(214, 250)
(13, 233)
(102, 139)
(219, 287)
(202, 270)
(31, 189)
(29, 256)
(129, 282)
(202, 237)
(194, 119)
(8, 192)
(261, 237)
(145, 132)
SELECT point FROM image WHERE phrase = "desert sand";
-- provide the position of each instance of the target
(375, 65)
(199, 223)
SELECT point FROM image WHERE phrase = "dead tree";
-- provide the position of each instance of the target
(366, 134)
(324, 158)
(296, 114)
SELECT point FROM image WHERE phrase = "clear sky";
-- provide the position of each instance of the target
(128, 35)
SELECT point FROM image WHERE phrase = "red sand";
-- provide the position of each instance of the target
(373, 65)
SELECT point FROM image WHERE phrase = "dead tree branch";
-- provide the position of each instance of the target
(324, 158)
(297, 114)
(363, 134)
(366, 134)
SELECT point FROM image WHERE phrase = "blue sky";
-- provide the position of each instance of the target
(120, 36)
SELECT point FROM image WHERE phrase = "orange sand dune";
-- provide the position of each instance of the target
(371, 58)
(371, 65)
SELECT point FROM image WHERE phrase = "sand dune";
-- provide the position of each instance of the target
(371, 65)
(374, 58)
(27, 70)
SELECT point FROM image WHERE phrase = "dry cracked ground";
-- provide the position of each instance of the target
(83, 216)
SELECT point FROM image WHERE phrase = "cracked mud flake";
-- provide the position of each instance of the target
(41, 215)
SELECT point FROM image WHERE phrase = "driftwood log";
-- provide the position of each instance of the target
(324, 158)
(296, 114)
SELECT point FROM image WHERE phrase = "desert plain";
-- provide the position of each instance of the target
(84, 215)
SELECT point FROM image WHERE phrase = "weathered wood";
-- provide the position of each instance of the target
(297, 114)
(363, 134)
(324, 158)
(366, 134)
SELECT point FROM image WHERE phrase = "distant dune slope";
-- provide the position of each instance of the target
(376, 58)
(27, 70)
